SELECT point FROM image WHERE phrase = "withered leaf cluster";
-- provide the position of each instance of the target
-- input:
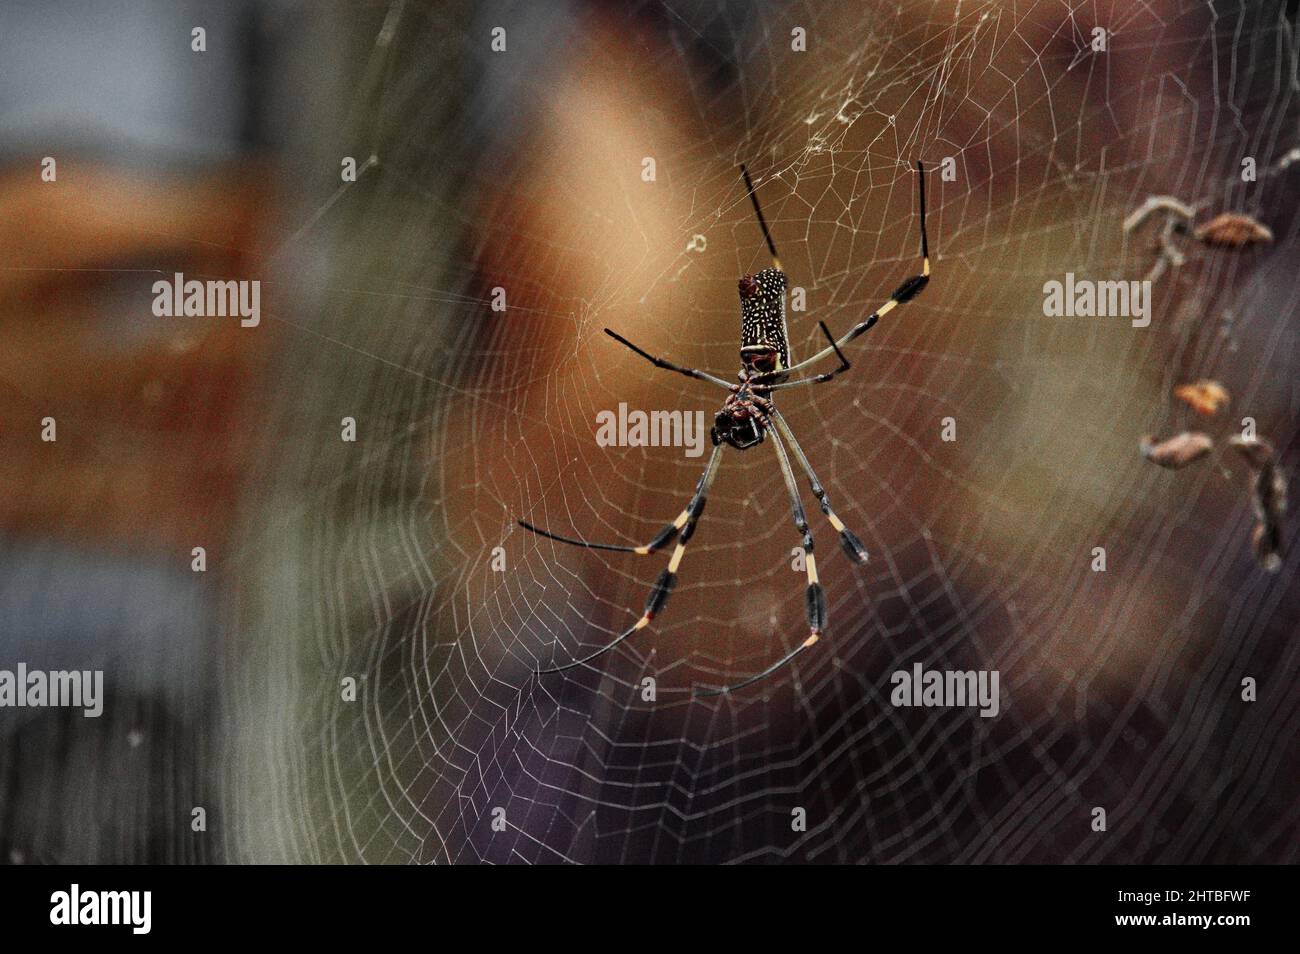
(1267, 485)
(1227, 230)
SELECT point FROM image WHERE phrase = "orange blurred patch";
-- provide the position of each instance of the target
(1204, 397)
(155, 417)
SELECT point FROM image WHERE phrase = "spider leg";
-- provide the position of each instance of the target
(853, 546)
(662, 363)
(902, 294)
(663, 586)
(660, 540)
(758, 211)
(816, 378)
(705, 693)
(816, 596)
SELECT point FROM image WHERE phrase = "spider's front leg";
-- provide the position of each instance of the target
(904, 293)
(818, 378)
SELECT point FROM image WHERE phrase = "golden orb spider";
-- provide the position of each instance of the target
(745, 420)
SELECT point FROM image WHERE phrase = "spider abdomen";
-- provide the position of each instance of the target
(764, 344)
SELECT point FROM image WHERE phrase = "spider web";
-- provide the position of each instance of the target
(522, 170)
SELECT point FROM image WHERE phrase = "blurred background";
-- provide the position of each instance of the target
(503, 146)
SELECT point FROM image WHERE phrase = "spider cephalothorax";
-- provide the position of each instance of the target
(743, 420)
(747, 417)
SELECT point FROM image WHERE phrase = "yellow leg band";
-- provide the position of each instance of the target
(678, 523)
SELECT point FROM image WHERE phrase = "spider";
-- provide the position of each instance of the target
(747, 418)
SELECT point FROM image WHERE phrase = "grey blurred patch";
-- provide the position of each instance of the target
(142, 620)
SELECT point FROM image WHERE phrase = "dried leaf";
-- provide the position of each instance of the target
(1205, 397)
(1257, 451)
(1266, 543)
(1231, 230)
(1267, 496)
(1178, 451)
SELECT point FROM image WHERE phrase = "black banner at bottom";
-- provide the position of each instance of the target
(1222, 905)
